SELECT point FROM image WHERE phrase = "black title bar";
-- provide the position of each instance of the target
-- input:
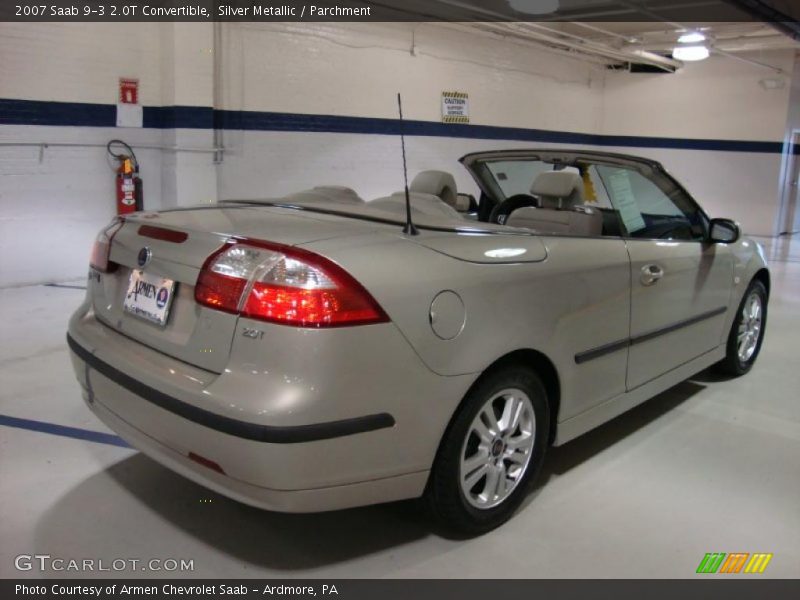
(708, 587)
(668, 11)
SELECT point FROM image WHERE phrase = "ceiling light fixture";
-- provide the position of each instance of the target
(690, 53)
(692, 37)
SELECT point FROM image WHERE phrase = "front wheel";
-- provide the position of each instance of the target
(491, 452)
(747, 332)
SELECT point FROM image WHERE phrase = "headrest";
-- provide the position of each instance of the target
(325, 193)
(423, 203)
(436, 183)
(339, 193)
(558, 189)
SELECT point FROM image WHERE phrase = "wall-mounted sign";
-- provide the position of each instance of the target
(128, 91)
(129, 112)
(455, 107)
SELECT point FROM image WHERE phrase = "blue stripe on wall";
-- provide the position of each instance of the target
(35, 112)
(178, 117)
(62, 430)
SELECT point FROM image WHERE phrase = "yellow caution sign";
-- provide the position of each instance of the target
(455, 107)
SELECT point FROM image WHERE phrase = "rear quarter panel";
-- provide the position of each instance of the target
(576, 299)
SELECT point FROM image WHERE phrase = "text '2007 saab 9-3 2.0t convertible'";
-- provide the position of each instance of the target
(311, 353)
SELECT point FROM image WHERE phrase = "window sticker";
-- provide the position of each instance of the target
(625, 201)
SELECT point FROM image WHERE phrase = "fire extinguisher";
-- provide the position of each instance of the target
(128, 184)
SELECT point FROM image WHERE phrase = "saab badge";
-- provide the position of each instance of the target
(145, 254)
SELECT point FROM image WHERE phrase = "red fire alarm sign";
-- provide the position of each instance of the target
(129, 91)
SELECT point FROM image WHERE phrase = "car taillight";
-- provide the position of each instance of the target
(102, 247)
(283, 284)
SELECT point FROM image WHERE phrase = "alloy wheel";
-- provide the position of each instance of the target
(749, 327)
(497, 449)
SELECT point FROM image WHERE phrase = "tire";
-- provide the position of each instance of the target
(739, 356)
(480, 509)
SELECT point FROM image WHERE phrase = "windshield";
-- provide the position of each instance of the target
(585, 194)
(514, 177)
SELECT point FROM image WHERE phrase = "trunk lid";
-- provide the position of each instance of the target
(179, 242)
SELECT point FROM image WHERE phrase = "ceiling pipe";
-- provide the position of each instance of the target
(679, 26)
(575, 51)
(639, 55)
(483, 29)
(750, 61)
(735, 44)
(625, 38)
(580, 44)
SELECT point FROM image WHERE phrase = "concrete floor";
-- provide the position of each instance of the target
(709, 466)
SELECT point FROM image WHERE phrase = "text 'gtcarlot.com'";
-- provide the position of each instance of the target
(46, 562)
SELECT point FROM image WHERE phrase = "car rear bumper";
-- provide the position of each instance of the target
(290, 501)
(293, 460)
(289, 434)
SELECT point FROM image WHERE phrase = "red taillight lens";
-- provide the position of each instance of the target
(219, 291)
(282, 284)
(161, 233)
(102, 247)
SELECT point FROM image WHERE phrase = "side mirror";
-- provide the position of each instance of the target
(466, 203)
(724, 231)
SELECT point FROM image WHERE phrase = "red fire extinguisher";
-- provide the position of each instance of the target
(128, 183)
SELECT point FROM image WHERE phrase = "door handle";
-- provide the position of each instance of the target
(651, 274)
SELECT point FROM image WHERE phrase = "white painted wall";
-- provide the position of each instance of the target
(62, 196)
(355, 70)
(65, 194)
(719, 98)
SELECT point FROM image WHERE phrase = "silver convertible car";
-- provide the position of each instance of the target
(315, 352)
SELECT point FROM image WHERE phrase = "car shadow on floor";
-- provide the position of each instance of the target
(285, 542)
(236, 531)
(562, 459)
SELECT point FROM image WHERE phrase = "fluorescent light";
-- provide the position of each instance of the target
(534, 7)
(690, 53)
(692, 37)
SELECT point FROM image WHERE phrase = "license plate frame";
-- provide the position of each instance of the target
(149, 297)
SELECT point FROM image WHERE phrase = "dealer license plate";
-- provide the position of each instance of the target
(149, 297)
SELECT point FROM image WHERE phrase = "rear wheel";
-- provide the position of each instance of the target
(747, 331)
(491, 453)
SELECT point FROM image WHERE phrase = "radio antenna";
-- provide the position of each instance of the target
(409, 228)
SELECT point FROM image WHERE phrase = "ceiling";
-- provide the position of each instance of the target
(662, 36)
(778, 11)
(636, 34)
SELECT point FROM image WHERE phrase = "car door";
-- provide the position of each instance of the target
(680, 285)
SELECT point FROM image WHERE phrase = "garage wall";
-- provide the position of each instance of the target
(350, 70)
(308, 105)
(56, 75)
(354, 70)
(716, 99)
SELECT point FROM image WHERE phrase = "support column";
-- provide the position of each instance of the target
(189, 175)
